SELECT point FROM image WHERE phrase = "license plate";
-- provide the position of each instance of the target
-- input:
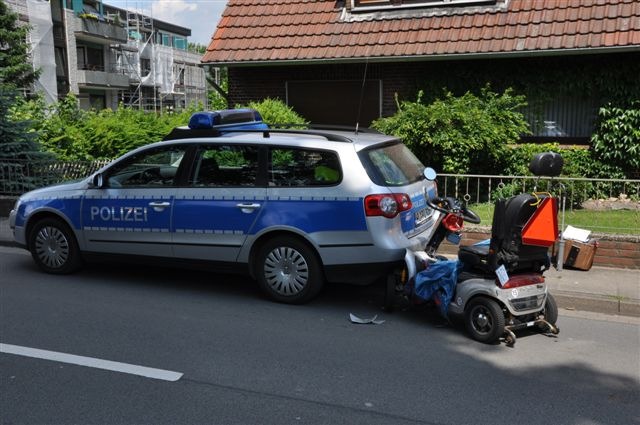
(421, 216)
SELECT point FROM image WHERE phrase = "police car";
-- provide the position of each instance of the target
(293, 208)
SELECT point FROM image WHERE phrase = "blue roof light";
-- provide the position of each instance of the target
(228, 119)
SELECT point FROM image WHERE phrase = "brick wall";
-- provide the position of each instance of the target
(405, 78)
(613, 251)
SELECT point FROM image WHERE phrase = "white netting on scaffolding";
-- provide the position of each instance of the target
(42, 51)
(163, 68)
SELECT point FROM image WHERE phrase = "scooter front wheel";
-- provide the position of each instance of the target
(484, 320)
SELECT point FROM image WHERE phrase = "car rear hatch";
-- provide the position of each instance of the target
(394, 166)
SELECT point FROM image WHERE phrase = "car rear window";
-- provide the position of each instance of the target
(392, 165)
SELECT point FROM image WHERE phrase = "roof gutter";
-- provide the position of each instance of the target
(440, 57)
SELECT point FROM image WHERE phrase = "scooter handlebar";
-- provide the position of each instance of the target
(451, 205)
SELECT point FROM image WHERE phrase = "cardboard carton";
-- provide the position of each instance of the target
(579, 255)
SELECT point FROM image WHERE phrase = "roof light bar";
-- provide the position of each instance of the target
(228, 119)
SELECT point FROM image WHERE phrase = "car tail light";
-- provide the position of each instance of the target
(523, 280)
(452, 222)
(387, 205)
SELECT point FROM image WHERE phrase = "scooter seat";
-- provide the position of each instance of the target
(474, 257)
(480, 250)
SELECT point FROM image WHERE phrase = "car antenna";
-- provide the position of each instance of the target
(364, 80)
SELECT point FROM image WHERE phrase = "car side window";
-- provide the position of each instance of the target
(226, 166)
(154, 168)
(291, 167)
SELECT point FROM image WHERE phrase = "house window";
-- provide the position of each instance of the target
(145, 67)
(166, 40)
(568, 119)
(344, 102)
(383, 4)
(61, 63)
(180, 43)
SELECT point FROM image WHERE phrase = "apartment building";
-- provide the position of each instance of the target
(106, 55)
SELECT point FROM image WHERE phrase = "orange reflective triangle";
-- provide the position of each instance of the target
(542, 227)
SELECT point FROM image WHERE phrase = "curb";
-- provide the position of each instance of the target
(596, 303)
(566, 299)
(11, 244)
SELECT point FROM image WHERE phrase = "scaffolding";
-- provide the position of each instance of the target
(40, 41)
(161, 78)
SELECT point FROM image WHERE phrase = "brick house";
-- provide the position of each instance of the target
(345, 61)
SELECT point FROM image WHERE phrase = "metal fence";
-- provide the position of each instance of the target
(20, 176)
(603, 205)
(579, 194)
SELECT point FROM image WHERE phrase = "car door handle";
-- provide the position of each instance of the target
(248, 208)
(159, 206)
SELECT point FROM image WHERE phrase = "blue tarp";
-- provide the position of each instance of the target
(438, 282)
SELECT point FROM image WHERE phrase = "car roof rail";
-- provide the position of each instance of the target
(191, 133)
(355, 130)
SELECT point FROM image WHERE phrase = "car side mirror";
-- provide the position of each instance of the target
(98, 181)
(430, 174)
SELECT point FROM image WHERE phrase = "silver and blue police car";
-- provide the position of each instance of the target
(293, 208)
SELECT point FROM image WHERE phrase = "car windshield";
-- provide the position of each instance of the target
(392, 165)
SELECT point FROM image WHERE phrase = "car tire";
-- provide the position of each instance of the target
(54, 247)
(288, 271)
(484, 320)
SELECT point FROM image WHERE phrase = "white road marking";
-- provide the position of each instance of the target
(148, 372)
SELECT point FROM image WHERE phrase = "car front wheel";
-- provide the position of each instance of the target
(288, 271)
(54, 247)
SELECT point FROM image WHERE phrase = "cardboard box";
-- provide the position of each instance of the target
(579, 255)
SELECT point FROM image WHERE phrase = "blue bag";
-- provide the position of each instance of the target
(438, 282)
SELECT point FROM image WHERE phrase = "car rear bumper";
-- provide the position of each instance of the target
(360, 274)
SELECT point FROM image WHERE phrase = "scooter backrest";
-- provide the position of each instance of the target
(506, 247)
(546, 164)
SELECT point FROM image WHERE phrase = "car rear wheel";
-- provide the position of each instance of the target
(288, 271)
(54, 247)
(484, 320)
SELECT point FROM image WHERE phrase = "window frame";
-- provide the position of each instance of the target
(178, 178)
(374, 5)
(269, 168)
(197, 156)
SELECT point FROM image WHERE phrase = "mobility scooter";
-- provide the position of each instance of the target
(497, 286)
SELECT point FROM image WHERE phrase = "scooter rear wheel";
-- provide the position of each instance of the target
(550, 310)
(484, 320)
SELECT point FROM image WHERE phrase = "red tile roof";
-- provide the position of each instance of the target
(261, 31)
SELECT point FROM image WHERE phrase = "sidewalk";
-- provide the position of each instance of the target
(601, 289)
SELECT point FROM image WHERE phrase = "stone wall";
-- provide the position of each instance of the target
(613, 250)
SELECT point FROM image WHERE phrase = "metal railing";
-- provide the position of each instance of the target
(622, 196)
(605, 205)
(20, 176)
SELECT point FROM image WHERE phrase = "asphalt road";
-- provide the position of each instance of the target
(245, 360)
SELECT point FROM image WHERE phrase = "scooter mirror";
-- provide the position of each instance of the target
(430, 173)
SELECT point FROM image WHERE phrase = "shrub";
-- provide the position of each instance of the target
(276, 113)
(466, 134)
(73, 134)
(616, 140)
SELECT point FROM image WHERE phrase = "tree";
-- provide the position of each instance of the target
(15, 67)
(20, 154)
(218, 79)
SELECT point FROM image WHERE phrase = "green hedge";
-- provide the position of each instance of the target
(465, 134)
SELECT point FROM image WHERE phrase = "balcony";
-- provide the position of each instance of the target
(102, 79)
(99, 31)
